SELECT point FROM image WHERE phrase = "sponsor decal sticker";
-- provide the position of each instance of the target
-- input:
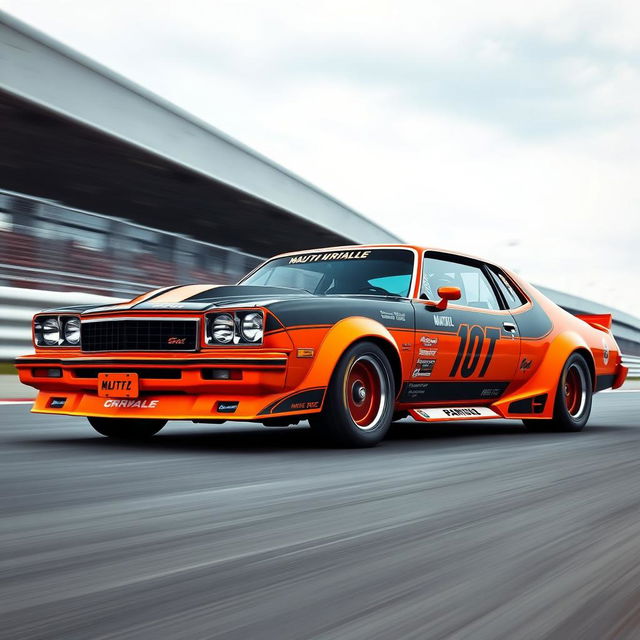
(525, 364)
(305, 405)
(461, 413)
(605, 351)
(428, 341)
(443, 321)
(398, 316)
(322, 257)
(490, 393)
(174, 340)
(424, 368)
(416, 389)
(226, 407)
(131, 404)
(427, 352)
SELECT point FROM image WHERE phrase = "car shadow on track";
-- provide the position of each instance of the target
(249, 439)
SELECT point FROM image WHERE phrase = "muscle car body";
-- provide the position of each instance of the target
(446, 337)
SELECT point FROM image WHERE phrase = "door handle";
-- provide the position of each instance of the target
(510, 327)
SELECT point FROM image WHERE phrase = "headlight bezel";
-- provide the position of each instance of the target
(239, 339)
(60, 320)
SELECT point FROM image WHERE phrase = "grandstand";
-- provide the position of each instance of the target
(44, 245)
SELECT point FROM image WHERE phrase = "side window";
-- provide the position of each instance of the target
(473, 284)
(512, 296)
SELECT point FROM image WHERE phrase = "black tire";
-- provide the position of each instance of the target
(127, 428)
(358, 407)
(572, 405)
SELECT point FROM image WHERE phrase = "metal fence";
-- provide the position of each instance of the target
(44, 245)
(633, 362)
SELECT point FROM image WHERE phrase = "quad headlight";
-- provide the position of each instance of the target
(72, 330)
(223, 328)
(56, 331)
(251, 327)
(235, 327)
(51, 331)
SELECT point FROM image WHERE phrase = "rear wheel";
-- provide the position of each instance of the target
(572, 405)
(358, 407)
(126, 428)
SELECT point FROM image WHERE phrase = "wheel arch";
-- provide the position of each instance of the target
(392, 355)
(547, 376)
(343, 335)
(591, 363)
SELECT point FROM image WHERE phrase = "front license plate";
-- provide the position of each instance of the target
(118, 385)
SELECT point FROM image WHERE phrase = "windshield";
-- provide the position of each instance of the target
(384, 272)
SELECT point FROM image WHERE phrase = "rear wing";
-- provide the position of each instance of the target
(600, 321)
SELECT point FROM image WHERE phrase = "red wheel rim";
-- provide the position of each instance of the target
(363, 392)
(573, 391)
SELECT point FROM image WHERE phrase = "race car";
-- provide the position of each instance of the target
(348, 338)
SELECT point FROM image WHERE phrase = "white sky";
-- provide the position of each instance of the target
(505, 129)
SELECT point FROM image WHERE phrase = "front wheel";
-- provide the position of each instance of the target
(358, 407)
(572, 405)
(127, 428)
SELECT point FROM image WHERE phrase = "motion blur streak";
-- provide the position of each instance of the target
(464, 530)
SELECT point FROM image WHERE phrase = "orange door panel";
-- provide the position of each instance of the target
(464, 354)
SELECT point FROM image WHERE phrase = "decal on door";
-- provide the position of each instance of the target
(470, 350)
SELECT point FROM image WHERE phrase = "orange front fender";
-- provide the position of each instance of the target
(343, 334)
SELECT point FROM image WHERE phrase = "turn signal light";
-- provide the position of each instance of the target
(46, 372)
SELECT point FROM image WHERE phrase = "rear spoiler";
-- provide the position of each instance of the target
(600, 321)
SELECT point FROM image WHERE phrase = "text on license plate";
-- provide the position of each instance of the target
(118, 385)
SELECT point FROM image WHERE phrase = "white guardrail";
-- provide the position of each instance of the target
(633, 362)
(17, 307)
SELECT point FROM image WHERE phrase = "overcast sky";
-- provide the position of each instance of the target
(505, 129)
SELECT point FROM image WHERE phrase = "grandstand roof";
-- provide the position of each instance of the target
(78, 133)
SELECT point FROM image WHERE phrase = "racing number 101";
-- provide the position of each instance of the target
(471, 342)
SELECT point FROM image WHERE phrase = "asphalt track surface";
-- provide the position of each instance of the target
(467, 530)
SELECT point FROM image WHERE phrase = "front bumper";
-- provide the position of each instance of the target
(173, 388)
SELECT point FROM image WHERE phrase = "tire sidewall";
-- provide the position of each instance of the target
(562, 417)
(338, 418)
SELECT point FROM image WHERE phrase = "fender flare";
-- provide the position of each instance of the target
(338, 339)
(545, 380)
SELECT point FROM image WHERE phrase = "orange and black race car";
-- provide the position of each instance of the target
(348, 338)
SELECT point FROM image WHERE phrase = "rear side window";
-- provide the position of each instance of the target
(512, 296)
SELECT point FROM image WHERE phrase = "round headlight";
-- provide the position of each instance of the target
(222, 328)
(37, 331)
(51, 331)
(72, 331)
(252, 327)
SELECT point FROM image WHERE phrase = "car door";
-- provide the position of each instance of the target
(468, 351)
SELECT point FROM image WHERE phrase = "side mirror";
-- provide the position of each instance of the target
(446, 294)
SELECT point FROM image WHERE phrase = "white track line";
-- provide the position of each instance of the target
(16, 402)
